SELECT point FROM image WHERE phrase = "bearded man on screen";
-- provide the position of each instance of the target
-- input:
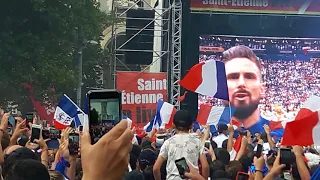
(245, 86)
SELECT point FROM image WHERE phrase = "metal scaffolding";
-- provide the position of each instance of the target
(118, 45)
(169, 18)
(176, 29)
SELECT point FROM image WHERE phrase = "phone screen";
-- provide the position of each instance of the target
(182, 167)
(259, 150)
(35, 133)
(54, 134)
(104, 113)
(207, 144)
(73, 143)
(242, 176)
(286, 157)
(29, 117)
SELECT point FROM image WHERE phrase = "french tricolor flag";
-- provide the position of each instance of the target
(305, 129)
(163, 118)
(213, 115)
(66, 112)
(207, 78)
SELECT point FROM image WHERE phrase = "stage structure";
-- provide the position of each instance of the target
(166, 50)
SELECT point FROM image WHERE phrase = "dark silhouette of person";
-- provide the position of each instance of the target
(94, 117)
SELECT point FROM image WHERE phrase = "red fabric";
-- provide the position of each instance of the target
(181, 98)
(170, 123)
(193, 79)
(299, 131)
(237, 144)
(274, 125)
(203, 114)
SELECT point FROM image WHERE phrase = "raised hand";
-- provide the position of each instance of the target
(109, 156)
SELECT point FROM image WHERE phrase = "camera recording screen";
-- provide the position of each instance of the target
(104, 114)
(268, 76)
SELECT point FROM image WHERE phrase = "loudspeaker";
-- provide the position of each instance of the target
(139, 48)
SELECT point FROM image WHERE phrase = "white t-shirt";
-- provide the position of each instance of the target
(178, 146)
(219, 139)
(266, 148)
(233, 154)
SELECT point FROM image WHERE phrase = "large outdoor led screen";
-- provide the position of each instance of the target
(268, 77)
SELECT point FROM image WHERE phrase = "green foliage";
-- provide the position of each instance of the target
(39, 42)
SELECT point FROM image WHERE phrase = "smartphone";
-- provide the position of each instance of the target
(45, 133)
(286, 157)
(242, 176)
(73, 143)
(207, 144)
(29, 117)
(104, 106)
(54, 133)
(80, 128)
(35, 132)
(259, 150)
(182, 167)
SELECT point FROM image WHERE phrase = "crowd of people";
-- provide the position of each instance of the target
(155, 155)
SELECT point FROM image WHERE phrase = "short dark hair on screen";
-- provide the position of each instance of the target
(241, 52)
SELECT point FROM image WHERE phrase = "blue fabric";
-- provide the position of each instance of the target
(61, 167)
(316, 175)
(222, 89)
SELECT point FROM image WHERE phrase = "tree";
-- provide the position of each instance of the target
(38, 46)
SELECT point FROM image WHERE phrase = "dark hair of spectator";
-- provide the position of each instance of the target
(28, 169)
(55, 175)
(241, 52)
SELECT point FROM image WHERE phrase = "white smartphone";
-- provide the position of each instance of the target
(35, 132)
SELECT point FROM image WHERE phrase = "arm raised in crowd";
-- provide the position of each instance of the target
(270, 141)
(3, 128)
(302, 168)
(109, 157)
(230, 138)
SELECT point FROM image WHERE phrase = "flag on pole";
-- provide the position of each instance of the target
(163, 118)
(207, 78)
(66, 112)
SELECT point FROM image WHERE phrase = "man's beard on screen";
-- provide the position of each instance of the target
(244, 111)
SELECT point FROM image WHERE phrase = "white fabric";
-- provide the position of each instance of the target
(188, 146)
(214, 115)
(316, 131)
(219, 139)
(313, 159)
(209, 81)
(166, 111)
(62, 117)
(233, 154)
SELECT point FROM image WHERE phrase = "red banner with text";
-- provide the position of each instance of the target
(258, 6)
(140, 94)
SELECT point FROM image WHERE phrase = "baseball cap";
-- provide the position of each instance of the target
(147, 157)
(182, 119)
(22, 153)
(222, 127)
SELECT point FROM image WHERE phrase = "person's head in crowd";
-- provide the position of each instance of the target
(136, 150)
(223, 129)
(146, 143)
(217, 165)
(246, 162)
(27, 169)
(222, 155)
(243, 71)
(182, 121)
(270, 162)
(134, 175)
(233, 168)
(146, 158)
(55, 175)
(148, 173)
(220, 174)
(17, 153)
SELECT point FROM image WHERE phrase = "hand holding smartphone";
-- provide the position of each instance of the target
(286, 157)
(104, 107)
(35, 132)
(73, 146)
(182, 167)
